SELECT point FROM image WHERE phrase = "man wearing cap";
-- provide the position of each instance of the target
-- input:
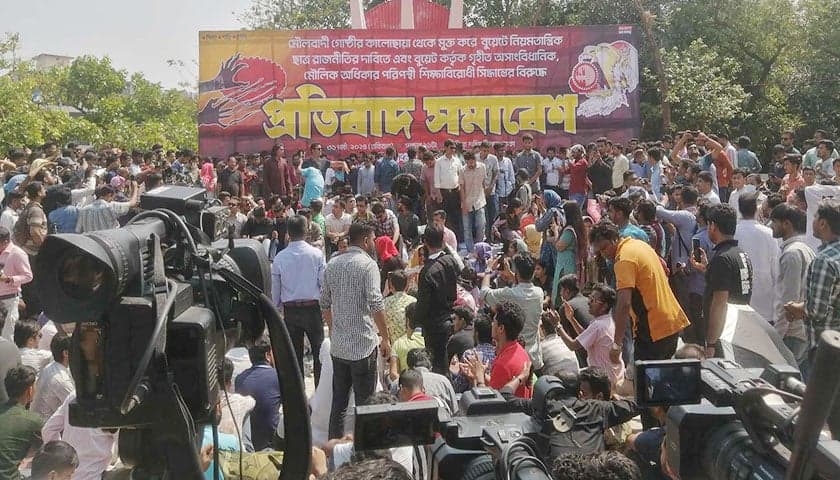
(104, 212)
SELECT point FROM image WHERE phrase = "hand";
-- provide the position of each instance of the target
(385, 347)
(478, 369)
(454, 365)
(5, 279)
(205, 457)
(710, 351)
(795, 310)
(465, 209)
(568, 311)
(274, 235)
(702, 264)
(615, 355)
(526, 372)
(318, 462)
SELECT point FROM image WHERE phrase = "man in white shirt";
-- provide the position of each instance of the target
(553, 166)
(54, 383)
(104, 212)
(760, 246)
(14, 204)
(739, 187)
(730, 151)
(620, 165)
(447, 178)
(93, 446)
(338, 225)
(704, 185)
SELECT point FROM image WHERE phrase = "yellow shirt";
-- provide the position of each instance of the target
(654, 309)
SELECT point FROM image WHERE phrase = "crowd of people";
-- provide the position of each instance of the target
(418, 275)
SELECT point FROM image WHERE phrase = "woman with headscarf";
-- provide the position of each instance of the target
(208, 177)
(572, 247)
(553, 216)
(481, 253)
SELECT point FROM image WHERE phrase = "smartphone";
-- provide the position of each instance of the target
(695, 247)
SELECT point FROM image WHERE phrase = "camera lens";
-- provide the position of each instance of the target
(80, 275)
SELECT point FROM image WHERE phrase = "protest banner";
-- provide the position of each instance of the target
(361, 90)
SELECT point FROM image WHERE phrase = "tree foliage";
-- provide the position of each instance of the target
(132, 112)
(702, 89)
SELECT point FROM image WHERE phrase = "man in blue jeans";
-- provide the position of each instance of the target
(353, 307)
(473, 201)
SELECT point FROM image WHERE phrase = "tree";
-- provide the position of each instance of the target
(701, 87)
(297, 14)
(91, 79)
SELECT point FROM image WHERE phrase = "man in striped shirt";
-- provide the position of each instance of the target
(104, 212)
(353, 308)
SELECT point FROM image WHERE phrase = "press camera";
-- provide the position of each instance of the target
(155, 304)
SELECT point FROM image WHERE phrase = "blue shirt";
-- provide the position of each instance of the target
(226, 442)
(261, 382)
(640, 169)
(656, 180)
(633, 231)
(313, 185)
(384, 174)
(303, 266)
(364, 179)
(14, 182)
(64, 219)
(697, 280)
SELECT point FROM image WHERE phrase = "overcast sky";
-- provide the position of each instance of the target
(139, 36)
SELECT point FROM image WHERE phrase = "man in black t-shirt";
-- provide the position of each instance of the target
(230, 178)
(463, 337)
(728, 274)
(600, 174)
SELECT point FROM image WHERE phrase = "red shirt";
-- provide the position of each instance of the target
(577, 182)
(508, 364)
(723, 165)
(419, 397)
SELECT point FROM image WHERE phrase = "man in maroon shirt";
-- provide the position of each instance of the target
(277, 173)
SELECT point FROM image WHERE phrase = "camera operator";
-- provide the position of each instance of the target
(589, 419)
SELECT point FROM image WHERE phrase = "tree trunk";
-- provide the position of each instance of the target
(647, 26)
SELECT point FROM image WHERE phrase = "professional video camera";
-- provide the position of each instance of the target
(727, 422)
(486, 443)
(154, 304)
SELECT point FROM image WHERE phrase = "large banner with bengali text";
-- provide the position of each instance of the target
(361, 90)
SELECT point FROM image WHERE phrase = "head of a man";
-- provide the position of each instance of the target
(439, 219)
(568, 286)
(508, 320)
(20, 384)
(410, 384)
(527, 142)
(826, 224)
(601, 300)
(787, 221)
(462, 318)
(704, 182)
(825, 148)
(595, 384)
(260, 351)
(55, 460)
(619, 210)
(722, 221)
(604, 238)
(362, 235)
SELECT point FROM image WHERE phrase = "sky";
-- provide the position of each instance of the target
(139, 36)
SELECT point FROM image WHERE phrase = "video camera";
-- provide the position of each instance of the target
(154, 304)
(485, 443)
(727, 422)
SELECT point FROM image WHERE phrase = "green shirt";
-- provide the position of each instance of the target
(404, 344)
(20, 430)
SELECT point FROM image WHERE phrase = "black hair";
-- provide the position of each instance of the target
(524, 266)
(418, 357)
(621, 204)
(59, 344)
(706, 177)
(569, 282)
(376, 208)
(359, 231)
(399, 280)
(797, 218)
(257, 351)
(689, 195)
(604, 230)
(411, 314)
(646, 210)
(18, 379)
(440, 213)
(744, 142)
(598, 380)
(370, 469)
(24, 330)
(33, 188)
(608, 295)
(296, 227)
(609, 465)
(5, 234)
(483, 331)
(724, 217)
(465, 313)
(829, 210)
(510, 316)
(411, 379)
(748, 204)
(433, 236)
(54, 456)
